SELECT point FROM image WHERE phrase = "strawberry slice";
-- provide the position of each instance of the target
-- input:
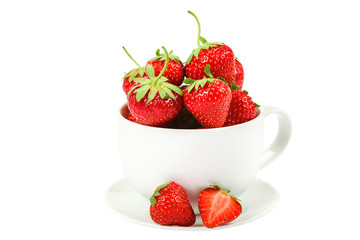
(217, 206)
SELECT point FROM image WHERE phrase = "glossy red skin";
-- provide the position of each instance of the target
(242, 109)
(174, 71)
(131, 118)
(217, 208)
(172, 207)
(158, 112)
(221, 59)
(209, 104)
(239, 74)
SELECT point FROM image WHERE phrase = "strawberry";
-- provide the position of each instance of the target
(217, 206)
(208, 100)
(239, 74)
(242, 108)
(131, 118)
(154, 101)
(129, 82)
(218, 55)
(170, 206)
(174, 71)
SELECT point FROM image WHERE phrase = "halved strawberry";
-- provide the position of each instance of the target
(217, 206)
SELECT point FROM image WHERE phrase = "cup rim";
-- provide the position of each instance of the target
(125, 110)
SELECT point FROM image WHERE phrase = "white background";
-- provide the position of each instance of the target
(60, 68)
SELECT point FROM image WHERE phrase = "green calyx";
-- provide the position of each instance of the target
(205, 44)
(134, 72)
(162, 57)
(155, 84)
(157, 193)
(197, 83)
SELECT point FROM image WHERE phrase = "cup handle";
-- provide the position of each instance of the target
(282, 138)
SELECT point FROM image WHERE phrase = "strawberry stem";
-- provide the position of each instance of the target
(131, 57)
(198, 23)
(165, 66)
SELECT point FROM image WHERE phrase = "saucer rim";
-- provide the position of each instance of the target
(198, 218)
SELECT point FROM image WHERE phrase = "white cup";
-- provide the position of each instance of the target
(196, 158)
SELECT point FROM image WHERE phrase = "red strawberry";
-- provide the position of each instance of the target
(129, 82)
(131, 117)
(155, 102)
(208, 100)
(217, 206)
(170, 206)
(174, 71)
(239, 74)
(242, 108)
(218, 55)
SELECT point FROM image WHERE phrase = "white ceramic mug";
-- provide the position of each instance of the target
(196, 158)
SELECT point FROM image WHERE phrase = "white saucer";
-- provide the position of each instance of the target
(260, 199)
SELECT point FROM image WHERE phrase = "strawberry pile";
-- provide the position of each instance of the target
(204, 92)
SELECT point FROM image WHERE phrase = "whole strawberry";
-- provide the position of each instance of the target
(174, 71)
(170, 206)
(242, 108)
(154, 101)
(128, 79)
(239, 74)
(219, 56)
(208, 100)
(218, 207)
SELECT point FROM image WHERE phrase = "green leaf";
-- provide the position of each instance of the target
(157, 52)
(203, 40)
(246, 92)
(162, 186)
(190, 57)
(190, 87)
(142, 81)
(256, 105)
(155, 58)
(196, 52)
(141, 92)
(223, 80)
(141, 71)
(207, 71)
(152, 200)
(233, 86)
(169, 93)
(189, 81)
(174, 88)
(197, 84)
(152, 94)
(162, 93)
(150, 71)
(202, 83)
